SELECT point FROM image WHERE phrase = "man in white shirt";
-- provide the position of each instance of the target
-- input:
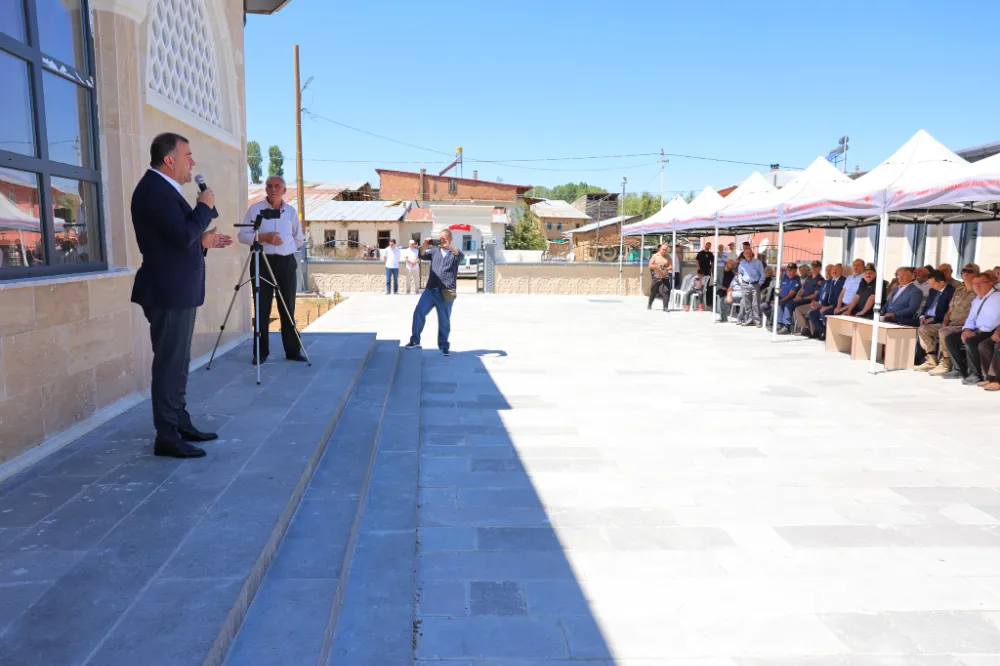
(851, 285)
(281, 238)
(412, 259)
(983, 319)
(391, 256)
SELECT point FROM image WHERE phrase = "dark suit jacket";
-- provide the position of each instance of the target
(168, 231)
(832, 295)
(943, 300)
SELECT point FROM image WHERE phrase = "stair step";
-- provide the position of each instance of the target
(186, 559)
(375, 623)
(288, 621)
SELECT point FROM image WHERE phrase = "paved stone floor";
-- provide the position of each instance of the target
(603, 484)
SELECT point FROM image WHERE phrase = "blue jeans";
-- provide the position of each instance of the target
(429, 300)
(392, 275)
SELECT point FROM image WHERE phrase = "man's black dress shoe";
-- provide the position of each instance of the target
(177, 450)
(195, 435)
(253, 361)
(297, 357)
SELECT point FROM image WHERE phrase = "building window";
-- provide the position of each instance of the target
(967, 243)
(918, 243)
(383, 239)
(559, 226)
(849, 237)
(330, 237)
(352, 238)
(452, 186)
(50, 209)
(548, 225)
(416, 237)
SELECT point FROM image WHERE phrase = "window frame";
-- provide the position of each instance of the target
(45, 169)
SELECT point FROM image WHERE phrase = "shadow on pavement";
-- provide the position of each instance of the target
(494, 580)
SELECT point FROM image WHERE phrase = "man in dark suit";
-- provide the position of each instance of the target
(827, 303)
(931, 319)
(904, 303)
(170, 284)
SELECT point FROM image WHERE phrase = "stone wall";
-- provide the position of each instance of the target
(348, 276)
(71, 346)
(582, 279)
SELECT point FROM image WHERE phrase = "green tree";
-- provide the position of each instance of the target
(275, 162)
(568, 192)
(254, 161)
(526, 232)
(644, 204)
(689, 197)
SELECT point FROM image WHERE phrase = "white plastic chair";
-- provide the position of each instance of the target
(677, 295)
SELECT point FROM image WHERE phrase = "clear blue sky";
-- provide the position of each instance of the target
(760, 82)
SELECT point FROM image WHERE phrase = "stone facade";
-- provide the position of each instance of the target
(572, 279)
(74, 349)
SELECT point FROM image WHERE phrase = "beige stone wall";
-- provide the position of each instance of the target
(568, 279)
(347, 276)
(72, 346)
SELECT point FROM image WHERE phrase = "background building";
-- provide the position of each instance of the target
(88, 85)
(557, 217)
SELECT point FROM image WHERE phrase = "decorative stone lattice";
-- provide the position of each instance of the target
(182, 58)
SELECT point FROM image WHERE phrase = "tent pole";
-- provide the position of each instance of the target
(621, 251)
(674, 260)
(642, 251)
(883, 234)
(777, 278)
(716, 306)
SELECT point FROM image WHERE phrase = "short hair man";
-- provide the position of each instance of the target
(903, 306)
(660, 266)
(954, 319)
(281, 239)
(173, 239)
(984, 318)
(851, 285)
(705, 259)
(391, 256)
(751, 277)
(931, 317)
(808, 298)
(412, 259)
(827, 301)
(949, 275)
(441, 290)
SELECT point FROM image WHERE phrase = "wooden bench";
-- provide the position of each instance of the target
(853, 335)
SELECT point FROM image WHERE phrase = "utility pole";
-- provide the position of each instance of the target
(621, 239)
(662, 191)
(298, 141)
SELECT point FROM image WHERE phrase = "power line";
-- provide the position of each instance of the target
(378, 136)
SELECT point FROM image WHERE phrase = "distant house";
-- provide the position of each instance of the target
(476, 211)
(599, 206)
(317, 194)
(557, 217)
(349, 229)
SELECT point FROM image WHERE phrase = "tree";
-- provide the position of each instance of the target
(254, 161)
(645, 204)
(569, 192)
(276, 159)
(689, 197)
(526, 232)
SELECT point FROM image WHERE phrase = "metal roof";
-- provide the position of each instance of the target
(557, 208)
(263, 6)
(614, 221)
(360, 211)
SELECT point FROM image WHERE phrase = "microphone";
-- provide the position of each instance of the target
(202, 185)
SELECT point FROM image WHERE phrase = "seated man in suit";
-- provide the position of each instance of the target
(904, 303)
(931, 319)
(828, 300)
(173, 238)
(808, 296)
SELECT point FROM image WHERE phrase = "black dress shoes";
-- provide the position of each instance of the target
(297, 357)
(195, 435)
(253, 361)
(177, 449)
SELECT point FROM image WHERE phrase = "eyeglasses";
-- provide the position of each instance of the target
(968, 270)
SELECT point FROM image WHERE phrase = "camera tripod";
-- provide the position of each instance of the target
(255, 255)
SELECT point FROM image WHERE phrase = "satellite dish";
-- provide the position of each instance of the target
(762, 248)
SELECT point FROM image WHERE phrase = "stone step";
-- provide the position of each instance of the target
(289, 619)
(155, 561)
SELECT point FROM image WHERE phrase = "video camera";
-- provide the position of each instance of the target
(264, 214)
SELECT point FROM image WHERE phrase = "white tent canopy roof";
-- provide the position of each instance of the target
(658, 222)
(979, 181)
(754, 186)
(700, 211)
(919, 158)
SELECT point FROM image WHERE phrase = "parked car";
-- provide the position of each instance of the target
(469, 266)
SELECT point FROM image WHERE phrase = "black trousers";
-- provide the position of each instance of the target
(660, 288)
(286, 275)
(965, 357)
(170, 332)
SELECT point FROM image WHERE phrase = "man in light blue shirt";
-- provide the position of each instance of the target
(850, 288)
(751, 275)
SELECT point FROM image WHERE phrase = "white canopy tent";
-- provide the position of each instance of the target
(658, 222)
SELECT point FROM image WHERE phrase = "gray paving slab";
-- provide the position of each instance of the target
(108, 542)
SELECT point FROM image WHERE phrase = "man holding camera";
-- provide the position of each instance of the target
(440, 292)
(173, 238)
(281, 236)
